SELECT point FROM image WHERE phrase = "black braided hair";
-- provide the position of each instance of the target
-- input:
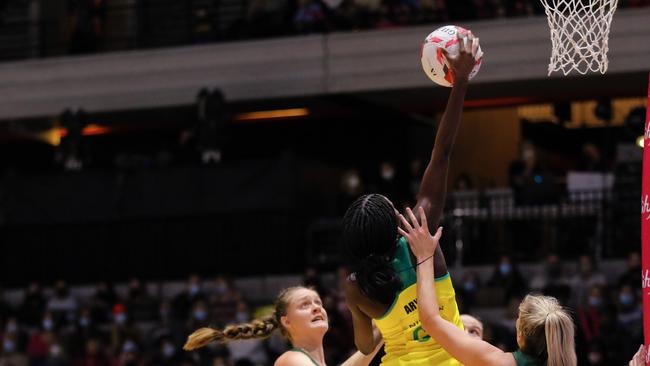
(369, 235)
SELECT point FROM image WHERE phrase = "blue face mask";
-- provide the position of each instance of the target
(129, 346)
(626, 299)
(505, 268)
(48, 324)
(120, 318)
(168, 350)
(194, 289)
(469, 286)
(11, 327)
(9, 345)
(595, 301)
(84, 321)
(200, 315)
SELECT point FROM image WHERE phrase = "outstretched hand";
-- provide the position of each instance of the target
(422, 244)
(463, 63)
(639, 358)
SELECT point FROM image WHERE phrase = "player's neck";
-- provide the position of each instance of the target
(314, 347)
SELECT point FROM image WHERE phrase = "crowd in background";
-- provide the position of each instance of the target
(210, 21)
(53, 327)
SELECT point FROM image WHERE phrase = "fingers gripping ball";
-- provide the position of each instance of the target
(434, 63)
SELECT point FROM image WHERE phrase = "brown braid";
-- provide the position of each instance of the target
(258, 328)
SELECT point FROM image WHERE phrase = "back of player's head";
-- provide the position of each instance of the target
(369, 236)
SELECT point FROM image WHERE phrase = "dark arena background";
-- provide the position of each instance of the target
(170, 164)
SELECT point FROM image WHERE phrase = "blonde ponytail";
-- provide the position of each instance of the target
(560, 345)
(258, 328)
(547, 330)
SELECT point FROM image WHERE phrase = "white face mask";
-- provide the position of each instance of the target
(388, 173)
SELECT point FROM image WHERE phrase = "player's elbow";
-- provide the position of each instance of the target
(364, 347)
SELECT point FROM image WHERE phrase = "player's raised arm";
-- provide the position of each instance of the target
(433, 189)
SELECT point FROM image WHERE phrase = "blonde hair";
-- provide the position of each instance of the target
(258, 328)
(547, 330)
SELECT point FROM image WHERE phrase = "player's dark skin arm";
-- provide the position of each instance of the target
(433, 188)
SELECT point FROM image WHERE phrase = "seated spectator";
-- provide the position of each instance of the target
(141, 307)
(631, 275)
(586, 278)
(102, 302)
(223, 301)
(183, 302)
(95, 355)
(167, 354)
(551, 279)
(62, 306)
(506, 277)
(309, 16)
(122, 329)
(11, 354)
(33, 305)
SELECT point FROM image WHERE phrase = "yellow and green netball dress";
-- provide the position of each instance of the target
(406, 343)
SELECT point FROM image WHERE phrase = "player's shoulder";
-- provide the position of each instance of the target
(293, 358)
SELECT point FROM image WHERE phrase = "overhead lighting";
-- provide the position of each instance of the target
(89, 130)
(640, 141)
(273, 114)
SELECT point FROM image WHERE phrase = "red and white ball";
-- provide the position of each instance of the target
(433, 61)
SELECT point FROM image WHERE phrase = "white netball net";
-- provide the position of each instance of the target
(579, 34)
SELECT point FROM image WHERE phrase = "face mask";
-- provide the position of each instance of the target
(48, 324)
(120, 318)
(594, 358)
(128, 347)
(194, 289)
(168, 350)
(55, 350)
(387, 174)
(528, 154)
(11, 327)
(200, 315)
(352, 182)
(9, 345)
(504, 268)
(626, 299)
(221, 288)
(595, 301)
(469, 286)
(241, 317)
(84, 322)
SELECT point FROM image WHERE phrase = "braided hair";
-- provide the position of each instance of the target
(369, 235)
(258, 328)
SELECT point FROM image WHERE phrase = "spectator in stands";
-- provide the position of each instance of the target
(141, 306)
(62, 305)
(129, 355)
(223, 301)
(102, 302)
(86, 19)
(95, 355)
(591, 159)
(586, 278)
(183, 302)
(506, 277)
(38, 347)
(14, 330)
(551, 279)
(11, 353)
(56, 356)
(33, 305)
(122, 329)
(168, 354)
(84, 329)
(467, 291)
(631, 275)
(309, 16)
(629, 322)
(590, 316)
(200, 316)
